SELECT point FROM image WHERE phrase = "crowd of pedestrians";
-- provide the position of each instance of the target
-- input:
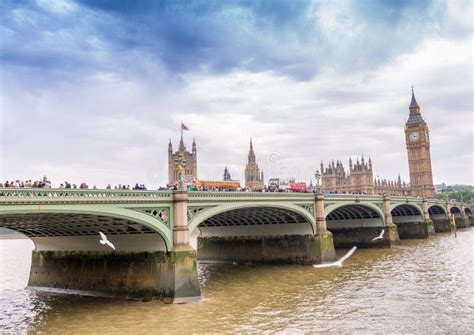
(46, 183)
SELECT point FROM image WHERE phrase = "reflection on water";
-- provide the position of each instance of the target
(422, 286)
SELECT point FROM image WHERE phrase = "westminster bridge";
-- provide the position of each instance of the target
(151, 231)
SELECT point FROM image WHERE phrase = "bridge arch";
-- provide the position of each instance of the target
(350, 215)
(354, 211)
(53, 227)
(281, 219)
(456, 211)
(437, 210)
(402, 213)
(468, 211)
(354, 223)
(440, 218)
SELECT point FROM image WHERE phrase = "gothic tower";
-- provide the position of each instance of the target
(227, 176)
(361, 176)
(418, 147)
(191, 162)
(253, 176)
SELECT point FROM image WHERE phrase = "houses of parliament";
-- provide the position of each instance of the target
(359, 178)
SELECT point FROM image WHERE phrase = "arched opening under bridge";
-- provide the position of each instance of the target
(355, 224)
(80, 232)
(255, 234)
(440, 218)
(409, 220)
(468, 212)
(255, 221)
(456, 211)
(462, 221)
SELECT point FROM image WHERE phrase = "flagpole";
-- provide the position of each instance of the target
(181, 129)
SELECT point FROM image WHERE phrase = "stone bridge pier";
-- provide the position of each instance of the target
(183, 256)
(265, 233)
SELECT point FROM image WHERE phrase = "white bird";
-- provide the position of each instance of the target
(104, 240)
(337, 264)
(380, 237)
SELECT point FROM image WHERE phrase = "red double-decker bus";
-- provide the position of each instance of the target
(297, 187)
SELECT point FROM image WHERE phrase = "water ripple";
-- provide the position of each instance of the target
(423, 286)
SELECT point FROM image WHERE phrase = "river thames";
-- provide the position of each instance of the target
(423, 286)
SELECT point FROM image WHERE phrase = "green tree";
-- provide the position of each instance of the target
(465, 195)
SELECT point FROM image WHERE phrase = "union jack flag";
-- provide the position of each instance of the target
(183, 126)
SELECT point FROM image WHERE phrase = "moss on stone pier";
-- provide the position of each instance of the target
(144, 275)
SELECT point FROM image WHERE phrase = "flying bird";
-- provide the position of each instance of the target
(104, 240)
(380, 237)
(337, 264)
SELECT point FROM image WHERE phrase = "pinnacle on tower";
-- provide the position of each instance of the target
(181, 144)
(251, 156)
(227, 175)
(413, 103)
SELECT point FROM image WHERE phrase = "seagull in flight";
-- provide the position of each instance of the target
(337, 264)
(380, 237)
(104, 240)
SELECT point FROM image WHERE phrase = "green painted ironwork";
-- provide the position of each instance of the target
(154, 209)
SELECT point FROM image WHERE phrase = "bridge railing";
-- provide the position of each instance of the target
(41, 194)
(33, 195)
(249, 196)
(361, 197)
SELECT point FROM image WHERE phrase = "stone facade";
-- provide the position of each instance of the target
(189, 157)
(359, 178)
(391, 187)
(418, 147)
(253, 176)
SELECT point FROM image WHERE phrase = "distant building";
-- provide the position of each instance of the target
(227, 176)
(359, 178)
(253, 176)
(189, 157)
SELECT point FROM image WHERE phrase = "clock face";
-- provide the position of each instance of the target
(414, 136)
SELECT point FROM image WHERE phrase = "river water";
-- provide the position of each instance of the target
(424, 286)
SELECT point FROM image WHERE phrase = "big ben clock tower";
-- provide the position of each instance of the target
(418, 146)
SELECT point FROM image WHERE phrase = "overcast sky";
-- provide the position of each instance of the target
(93, 90)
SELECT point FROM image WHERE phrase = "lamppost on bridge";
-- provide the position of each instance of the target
(180, 163)
(317, 175)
